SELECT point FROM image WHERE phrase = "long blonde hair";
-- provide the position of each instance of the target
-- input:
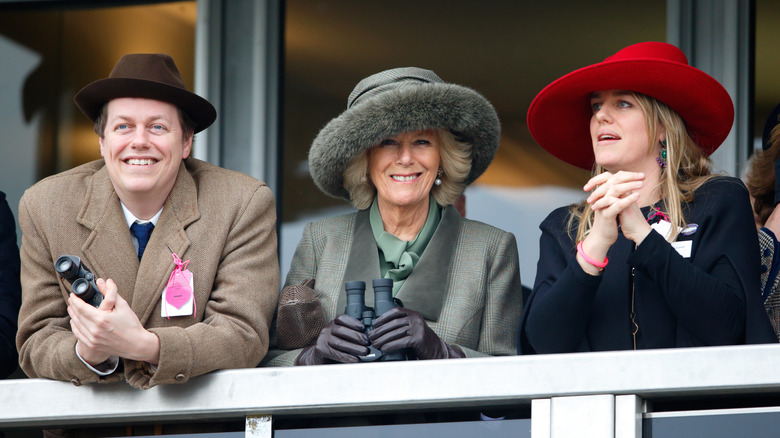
(687, 168)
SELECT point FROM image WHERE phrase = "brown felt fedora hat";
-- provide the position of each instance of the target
(149, 76)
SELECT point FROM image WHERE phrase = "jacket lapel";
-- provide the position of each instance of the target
(108, 251)
(424, 290)
(363, 261)
(169, 235)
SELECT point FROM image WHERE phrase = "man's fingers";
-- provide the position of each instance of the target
(109, 291)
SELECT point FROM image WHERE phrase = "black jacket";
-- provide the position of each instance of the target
(711, 298)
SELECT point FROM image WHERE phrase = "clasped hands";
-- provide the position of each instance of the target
(112, 329)
(614, 199)
(344, 340)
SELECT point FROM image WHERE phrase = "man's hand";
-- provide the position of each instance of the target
(113, 329)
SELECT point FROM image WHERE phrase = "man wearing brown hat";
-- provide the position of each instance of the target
(184, 252)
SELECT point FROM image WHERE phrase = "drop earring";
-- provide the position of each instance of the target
(661, 158)
(437, 181)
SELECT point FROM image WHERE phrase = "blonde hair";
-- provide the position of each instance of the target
(687, 168)
(455, 165)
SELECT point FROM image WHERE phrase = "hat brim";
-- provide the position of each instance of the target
(559, 116)
(459, 109)
(93, 96)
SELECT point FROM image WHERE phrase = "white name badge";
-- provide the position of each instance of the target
(683, 248)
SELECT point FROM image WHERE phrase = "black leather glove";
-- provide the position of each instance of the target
(341, 340)
(401, 328)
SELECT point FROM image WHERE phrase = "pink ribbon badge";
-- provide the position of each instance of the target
(178, 291)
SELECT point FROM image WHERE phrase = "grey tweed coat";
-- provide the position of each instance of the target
(466, 284)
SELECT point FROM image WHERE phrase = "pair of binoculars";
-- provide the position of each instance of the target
(383, 301)
(82, 280)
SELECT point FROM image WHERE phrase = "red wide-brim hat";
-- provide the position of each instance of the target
(559, 116)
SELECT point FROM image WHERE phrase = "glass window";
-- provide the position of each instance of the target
(767, 64)
(48, 54)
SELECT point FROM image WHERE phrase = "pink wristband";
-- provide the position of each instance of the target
(600, 265)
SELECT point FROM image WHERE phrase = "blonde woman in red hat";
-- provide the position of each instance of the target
(661, 253)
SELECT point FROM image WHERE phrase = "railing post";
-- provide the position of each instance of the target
(588, 415)
(628, 416)
(259, 426)
(540, 418)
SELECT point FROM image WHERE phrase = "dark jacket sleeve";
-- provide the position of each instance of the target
(770, 281)
(716, 295)
(562, 293)
(10, 289)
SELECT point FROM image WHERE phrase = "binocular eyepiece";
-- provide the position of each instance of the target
(383, 301)
(82, 280)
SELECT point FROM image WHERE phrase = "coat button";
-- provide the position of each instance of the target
(180, 377)
(75, 381)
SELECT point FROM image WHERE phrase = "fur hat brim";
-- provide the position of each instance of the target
(461, 110)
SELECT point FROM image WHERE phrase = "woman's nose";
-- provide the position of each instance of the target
(405, 154)
(603, 115)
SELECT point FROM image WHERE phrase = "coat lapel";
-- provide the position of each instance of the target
(363, 261)
(425, 289)
(169, 235)
(108, 251)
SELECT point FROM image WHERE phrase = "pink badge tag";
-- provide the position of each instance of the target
(178, 291)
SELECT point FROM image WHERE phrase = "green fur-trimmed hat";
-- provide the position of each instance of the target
(402, 100)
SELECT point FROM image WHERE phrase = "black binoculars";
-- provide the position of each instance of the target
(383, 301)
(82, 280)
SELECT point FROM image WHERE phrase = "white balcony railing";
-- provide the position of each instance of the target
(584, 394)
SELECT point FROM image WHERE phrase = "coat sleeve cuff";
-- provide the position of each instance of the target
(103, 369)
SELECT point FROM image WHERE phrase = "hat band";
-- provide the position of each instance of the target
(380, 88)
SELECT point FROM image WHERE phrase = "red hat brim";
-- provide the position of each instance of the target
(559, 116)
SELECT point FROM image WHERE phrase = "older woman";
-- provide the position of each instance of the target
(402, 153)
(661, 253)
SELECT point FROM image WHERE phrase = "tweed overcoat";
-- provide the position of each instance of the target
(466, 283)
(220, 220)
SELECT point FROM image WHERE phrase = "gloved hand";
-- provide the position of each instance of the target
(341, 340)
(401, 328)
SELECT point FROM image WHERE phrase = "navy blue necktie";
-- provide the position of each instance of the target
(142, 233)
